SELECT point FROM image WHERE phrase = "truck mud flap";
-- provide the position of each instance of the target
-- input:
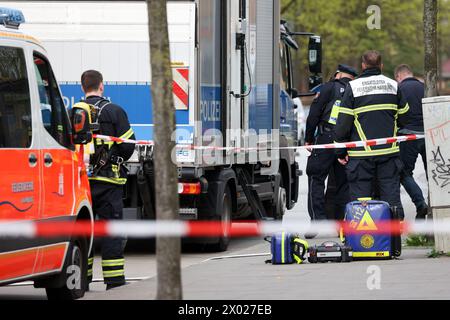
(251, 195)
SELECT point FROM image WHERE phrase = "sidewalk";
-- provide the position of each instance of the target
(413, 277)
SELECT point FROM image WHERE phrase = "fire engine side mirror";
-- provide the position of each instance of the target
(81, 126)
(315, 54)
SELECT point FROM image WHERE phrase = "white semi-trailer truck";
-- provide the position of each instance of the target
(233, 93)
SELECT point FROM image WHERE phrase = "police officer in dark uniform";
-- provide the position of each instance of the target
(414, 91)
(322, 120)
(107, 174)
(373, 107)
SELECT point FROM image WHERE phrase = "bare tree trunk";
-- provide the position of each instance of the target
(166, 193)
(430, 36)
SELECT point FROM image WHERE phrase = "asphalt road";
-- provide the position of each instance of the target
(141, 264)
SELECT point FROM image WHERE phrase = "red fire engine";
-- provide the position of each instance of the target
(43, 177)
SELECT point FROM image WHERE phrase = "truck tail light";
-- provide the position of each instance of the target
(189, 188)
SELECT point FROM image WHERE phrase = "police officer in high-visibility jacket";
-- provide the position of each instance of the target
(107, 174)
(320, 130)
(372, 107)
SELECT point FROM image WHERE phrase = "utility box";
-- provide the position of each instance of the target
(436, 114)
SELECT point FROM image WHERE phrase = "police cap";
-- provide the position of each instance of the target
(347, 69)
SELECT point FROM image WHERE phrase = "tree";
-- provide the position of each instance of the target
(286, 7)
(443, 36)
(166, 192)
(430, 14)
(343, 27)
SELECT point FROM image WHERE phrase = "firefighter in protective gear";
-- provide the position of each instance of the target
(372, 107)
(322, 119)
(107, 174)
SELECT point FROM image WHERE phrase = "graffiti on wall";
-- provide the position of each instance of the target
(441, 169)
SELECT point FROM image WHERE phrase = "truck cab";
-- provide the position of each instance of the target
(43, 174)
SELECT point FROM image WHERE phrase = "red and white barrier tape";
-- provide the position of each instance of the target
(345, 145)
(120, 140)
(193, 229)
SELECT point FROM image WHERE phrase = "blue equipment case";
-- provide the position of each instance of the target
(363, 217)
(287, 248)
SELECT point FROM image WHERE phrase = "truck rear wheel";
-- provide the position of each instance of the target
(277, 208)
(225, 214)
(280, 204)
(73, 274)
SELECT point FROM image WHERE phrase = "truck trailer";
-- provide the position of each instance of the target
(233, 96)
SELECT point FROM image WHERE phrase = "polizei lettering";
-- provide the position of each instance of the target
(189, 310)
(210, 110)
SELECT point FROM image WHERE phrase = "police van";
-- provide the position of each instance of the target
(43, 177)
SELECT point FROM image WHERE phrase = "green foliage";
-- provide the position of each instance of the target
(419, 241)
(436, 254)
(343, 27)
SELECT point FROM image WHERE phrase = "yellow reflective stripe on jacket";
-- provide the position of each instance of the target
(100, 142)
(113, 263)
(379, 152)
(404, 110)
(346, 111)
(395, 144)
(360, 131)
(335, 112)
(376, 107)
(282, 247)
(119, 181)
(126, 135)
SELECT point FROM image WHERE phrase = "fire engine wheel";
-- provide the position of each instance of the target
(226, 212)
(74, 273)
